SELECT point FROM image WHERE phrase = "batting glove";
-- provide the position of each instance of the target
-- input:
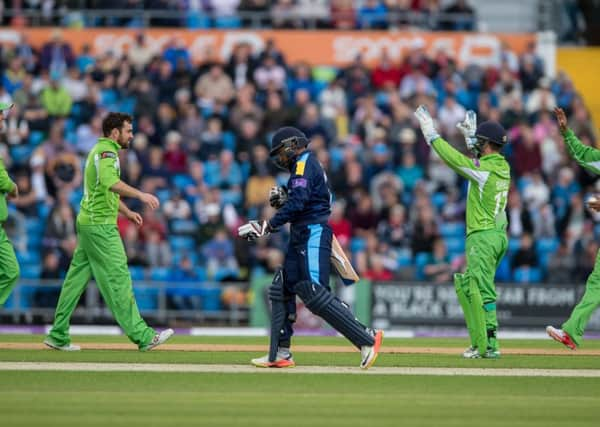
(278, 196)
(426, 123)
(254, 229)
(468, 128)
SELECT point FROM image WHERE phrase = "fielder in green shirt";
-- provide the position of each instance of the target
(571, 334)
(9, 267)
(100, 252)
(489, 182)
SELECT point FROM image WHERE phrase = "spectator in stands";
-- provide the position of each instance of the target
(393, 231)
(27, 201)
(561, 265)
(14, 75)
(377, 270)
(57, 55)
(88, 134)
(214, 88)
(527, 157)
(526, 255)
(245, 107)
(585, 261)
(269, 74)
(211, 140)
(177, 207)
(228, 178)
(241, 65)
(343, 16)
(519, 217)
(218, 253)
(372, 15)
(386, 73)
(541, 98)
(362, 216)
(55, 98)
(536, 192)
(51, 267)
(153, 234)
(175, 157)
(450, 113)
(461, 17)
(409, 171)
(424, 231)
(154, 170)
(59, 234)
(16, 126)
(438, 268)
(261, 179)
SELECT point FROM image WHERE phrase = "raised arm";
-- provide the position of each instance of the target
(588, 157)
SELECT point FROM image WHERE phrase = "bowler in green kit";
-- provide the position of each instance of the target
(489, 182)
(100, 252)
(571, 334)
(9, 267)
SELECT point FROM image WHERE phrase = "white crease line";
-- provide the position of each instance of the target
(243, 369)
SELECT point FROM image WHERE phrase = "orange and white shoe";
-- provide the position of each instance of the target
(283, 360)
(369, 353)
(561, 336)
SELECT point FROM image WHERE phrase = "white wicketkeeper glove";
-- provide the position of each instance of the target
(254, 229)
(278, 196)
(468, 128)
(426, 123)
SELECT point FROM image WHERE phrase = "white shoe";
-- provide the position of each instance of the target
(284, 360)
(369, 353)
(471, 353)
(55, 346)
(158, 339)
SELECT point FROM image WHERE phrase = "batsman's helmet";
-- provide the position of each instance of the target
(491, 132)
(284, 144)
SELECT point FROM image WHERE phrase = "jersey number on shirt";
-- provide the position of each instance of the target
(501, 199)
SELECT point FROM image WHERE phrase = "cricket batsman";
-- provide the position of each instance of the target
(100, 252)
(489, 182)
(9, 267)
(572, 330)
(307, 264)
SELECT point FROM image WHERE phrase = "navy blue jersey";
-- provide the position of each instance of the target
(309, 199)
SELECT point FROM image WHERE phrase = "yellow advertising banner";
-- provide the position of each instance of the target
(315, 47)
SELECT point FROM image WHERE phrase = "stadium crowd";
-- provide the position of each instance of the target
(290, 14)
(202, 140)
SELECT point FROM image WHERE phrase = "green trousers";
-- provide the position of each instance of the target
(476, 290)
(100, 254)
(582, 312)
(9, 267)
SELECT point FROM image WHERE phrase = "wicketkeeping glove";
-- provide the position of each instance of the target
(468, 128)
(278, 196)
(254, 229)
(426, 123)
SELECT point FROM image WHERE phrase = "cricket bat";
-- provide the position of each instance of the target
(342, 264)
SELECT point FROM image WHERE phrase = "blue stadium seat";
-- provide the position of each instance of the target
(513, 244)
(357, 244)
(421, 260)
(547, 245)
(160, 274)
(527, 275)
(34, 241)
(438, 200)
(182, 243)
(201, 273)
(228, 22)
(146, 298)
(179, 254)
(21, 153)
(404, 259)
(43, 210)
(34, 226)
(197, 21)
(229, 141)
(223, 273)
(211, 298)
(36, 137)
(163, 195)
(137, 272)
(503, 271)
(31, 271)
(455, 244)
(184, 226)
(29, 257)
(452, 229)
(180, 181)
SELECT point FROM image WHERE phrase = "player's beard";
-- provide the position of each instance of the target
(124, 142)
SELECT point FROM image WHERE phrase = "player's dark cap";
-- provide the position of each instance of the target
(491, 132)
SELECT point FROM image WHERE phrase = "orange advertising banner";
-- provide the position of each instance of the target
(315, 47)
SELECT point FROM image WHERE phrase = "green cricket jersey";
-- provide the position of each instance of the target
(588, 157)
(489, 183)
(6, 186)
(102, 170)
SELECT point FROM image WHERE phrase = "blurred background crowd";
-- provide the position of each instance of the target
(202, 133)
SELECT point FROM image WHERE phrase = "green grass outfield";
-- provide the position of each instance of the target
(114, 399)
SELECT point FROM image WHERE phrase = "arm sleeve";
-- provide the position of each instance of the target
(6, 184)
(460, 163)
(108, 174)
(587, 157)
(298, 196)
